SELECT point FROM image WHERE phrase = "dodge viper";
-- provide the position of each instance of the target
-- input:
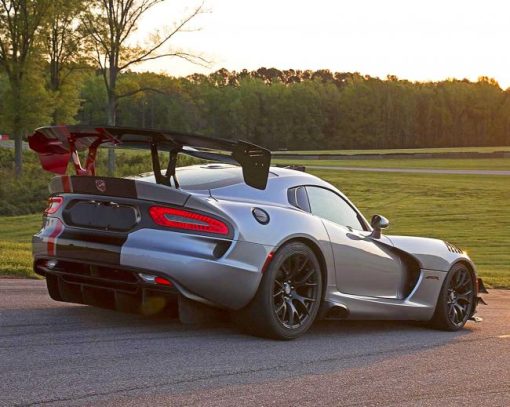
(276, 247)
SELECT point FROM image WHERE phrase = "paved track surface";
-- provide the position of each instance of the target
(411, 170)
(60, 354)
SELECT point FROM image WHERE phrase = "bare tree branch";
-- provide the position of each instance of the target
(194, 59)
(148, 55)
(110, 24)
(140, 90)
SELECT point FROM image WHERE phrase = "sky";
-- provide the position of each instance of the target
(415, 40)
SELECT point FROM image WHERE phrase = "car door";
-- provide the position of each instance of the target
(363, 265)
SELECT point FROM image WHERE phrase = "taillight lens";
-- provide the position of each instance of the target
(162, 281)
(187, 220)
(54, 203)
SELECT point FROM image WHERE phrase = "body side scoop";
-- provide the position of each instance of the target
(432, 254)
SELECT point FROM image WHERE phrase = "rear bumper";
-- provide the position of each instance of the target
(108, 287)
(221, 273)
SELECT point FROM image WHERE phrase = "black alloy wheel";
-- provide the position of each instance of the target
(457, 299)
(460, 296)
(295, 290)
(288, 297)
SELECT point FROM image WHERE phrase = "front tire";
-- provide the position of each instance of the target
(456, 301)
(289, 295)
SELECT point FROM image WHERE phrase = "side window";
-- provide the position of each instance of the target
(330, 206)
(298, 198)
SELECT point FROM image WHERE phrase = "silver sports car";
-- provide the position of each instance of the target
(276, 247)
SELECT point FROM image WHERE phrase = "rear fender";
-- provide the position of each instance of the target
(285, 224)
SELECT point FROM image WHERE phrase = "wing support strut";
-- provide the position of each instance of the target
(170, 171)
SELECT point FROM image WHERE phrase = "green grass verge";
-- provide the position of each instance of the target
(469, 211)
(15, 244)
(403, 150)
(436, 163)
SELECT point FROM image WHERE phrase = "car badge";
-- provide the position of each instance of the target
(101, 185)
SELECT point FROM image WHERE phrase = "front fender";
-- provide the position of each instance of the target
(432, 254)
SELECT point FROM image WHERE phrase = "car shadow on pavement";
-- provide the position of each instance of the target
(354, 328)
(69, 316)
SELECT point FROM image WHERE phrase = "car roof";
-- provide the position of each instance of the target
(225, 181)
(213, 176)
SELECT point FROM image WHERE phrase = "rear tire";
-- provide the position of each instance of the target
(289, 295)
(456, 300)
(53, 288)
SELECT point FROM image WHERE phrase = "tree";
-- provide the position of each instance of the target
(110, 24)
(20, 22)
(64, 49)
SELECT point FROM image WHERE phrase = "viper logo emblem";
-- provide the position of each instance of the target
(101, 185)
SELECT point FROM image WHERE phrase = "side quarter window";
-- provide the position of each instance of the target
(328, 205)
(297, 197)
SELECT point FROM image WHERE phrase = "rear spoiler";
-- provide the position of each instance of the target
(57, 145)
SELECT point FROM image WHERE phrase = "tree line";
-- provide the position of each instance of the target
(295, 109)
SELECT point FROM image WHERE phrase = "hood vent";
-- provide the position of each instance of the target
(452, 248)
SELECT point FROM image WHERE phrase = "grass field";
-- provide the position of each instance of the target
(436, 163)
(472, 212)
(469, 211)
(15, 238)
(403, 150)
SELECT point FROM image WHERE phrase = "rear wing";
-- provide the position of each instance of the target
(57, 145)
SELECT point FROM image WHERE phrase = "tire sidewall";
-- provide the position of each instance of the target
(266, 289)
(441, 317)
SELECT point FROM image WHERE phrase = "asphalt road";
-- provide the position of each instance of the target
(60, 354)
(411, 170)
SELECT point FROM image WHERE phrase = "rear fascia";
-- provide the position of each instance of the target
(220, 270)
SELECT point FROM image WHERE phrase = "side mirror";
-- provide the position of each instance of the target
(378, 223)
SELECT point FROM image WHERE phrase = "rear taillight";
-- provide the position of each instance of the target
(54, 203)
(162, 281)
(187, 220)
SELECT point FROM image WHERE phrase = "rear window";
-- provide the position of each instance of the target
(208, 176)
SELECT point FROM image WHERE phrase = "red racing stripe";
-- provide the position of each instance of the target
(52, 238)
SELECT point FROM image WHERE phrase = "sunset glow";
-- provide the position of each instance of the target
(430, 40)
